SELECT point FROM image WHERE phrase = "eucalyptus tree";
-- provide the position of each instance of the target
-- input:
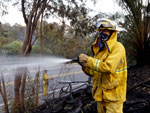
(72, 10)
(32, 11)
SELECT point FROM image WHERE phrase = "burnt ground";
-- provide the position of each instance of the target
(138, 96)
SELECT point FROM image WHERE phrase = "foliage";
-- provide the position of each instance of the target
(5, 38)
(72, 10)
(30, 95)
(9, 39)
(123, 36)
(56, 42)
(3, 7)
(35, 49)
(18, 32)
(15, 32)
(3, 41)
(62, 41)
(137, 25)
(32, 11)
(13, 48)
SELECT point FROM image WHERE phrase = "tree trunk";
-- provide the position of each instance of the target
(41, 49)
(17, 85)
(37, 87)
(26, 49)
(21, 75)
(31, 23)
(23, 91)
(4, 94)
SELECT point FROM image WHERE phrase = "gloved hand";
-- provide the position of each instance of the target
(87, 71)
(83, 58)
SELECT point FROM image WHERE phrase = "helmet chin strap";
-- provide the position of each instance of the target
(107, 46)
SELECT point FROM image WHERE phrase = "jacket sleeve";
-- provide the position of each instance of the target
(87, 71)
(114, 60)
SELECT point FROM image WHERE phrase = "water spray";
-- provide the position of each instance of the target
(11, 63)
(74, 60)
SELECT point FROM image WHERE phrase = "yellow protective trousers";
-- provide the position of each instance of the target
(110, 107)
(45, 90)
(45, 84)
(45, 87)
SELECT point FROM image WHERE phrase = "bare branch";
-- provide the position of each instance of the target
(23, 12)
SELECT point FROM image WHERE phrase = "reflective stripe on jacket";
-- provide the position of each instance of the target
(109, 71)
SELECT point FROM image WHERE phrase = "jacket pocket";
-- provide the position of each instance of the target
(114, 94)
(110, 81)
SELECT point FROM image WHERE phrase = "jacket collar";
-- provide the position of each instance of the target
(112, 40)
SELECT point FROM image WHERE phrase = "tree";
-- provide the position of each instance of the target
(59, 43)
(6, 36)
(3, 92)
(32, 11)
(3, 7)
(31, 18)
(13, 48)
(137, 25)
(18, 32)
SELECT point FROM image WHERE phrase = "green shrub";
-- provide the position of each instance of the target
(13, 48)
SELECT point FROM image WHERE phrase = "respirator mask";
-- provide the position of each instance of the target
(102, 39)
(102, 36)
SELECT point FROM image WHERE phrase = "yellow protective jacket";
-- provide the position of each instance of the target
(45, 79)
(109, 71)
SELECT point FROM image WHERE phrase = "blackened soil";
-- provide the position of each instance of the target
(138, 97)
(138, 94)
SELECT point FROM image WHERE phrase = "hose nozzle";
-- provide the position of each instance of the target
(74, 60)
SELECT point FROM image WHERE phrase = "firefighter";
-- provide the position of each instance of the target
(108, 68)
(45, 83)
